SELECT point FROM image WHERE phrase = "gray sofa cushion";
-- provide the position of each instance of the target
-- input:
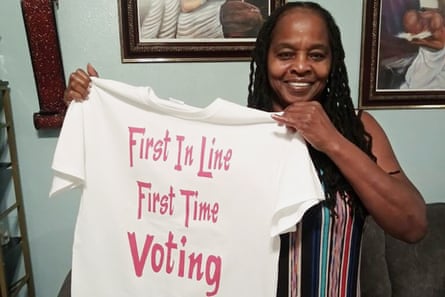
(394, 268)
(373, 262)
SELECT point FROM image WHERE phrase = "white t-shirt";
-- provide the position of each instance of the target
(178, 200)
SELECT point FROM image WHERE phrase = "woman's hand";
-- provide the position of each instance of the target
(393, 201)
(311, 121)
(78, 85)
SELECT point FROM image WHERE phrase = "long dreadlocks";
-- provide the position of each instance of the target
(336, 100)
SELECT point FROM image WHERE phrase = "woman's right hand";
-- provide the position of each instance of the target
(79, 84)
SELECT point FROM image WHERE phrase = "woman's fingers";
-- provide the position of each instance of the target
(78, 86)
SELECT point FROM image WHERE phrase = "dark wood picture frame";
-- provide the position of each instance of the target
(134, 50)
(386, 57)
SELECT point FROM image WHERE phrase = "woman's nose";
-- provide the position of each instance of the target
(300, 65)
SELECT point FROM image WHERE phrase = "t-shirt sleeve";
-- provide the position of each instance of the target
(299, 189)
(68, 161)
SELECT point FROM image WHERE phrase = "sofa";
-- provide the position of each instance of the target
(392, 268)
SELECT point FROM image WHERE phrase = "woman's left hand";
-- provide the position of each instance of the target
(311, 121)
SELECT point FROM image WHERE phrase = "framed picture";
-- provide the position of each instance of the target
(190, 30)
(402, 56)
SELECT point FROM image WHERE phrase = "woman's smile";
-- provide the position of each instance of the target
(299, 59)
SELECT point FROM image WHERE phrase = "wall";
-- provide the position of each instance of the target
(89, 32)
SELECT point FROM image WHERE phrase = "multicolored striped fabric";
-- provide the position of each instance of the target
(323, 255)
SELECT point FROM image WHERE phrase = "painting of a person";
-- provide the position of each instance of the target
(394, 54)
(427, 29)
(193, 19)
(411, 54)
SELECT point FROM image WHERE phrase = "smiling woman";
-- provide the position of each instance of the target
(299, 65)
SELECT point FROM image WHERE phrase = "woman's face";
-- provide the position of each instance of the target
(299, 57)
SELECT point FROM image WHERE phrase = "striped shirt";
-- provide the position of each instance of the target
(323, 254)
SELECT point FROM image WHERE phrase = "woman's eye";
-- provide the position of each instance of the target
(317, 56)
(285, 55)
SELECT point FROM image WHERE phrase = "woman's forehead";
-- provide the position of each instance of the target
(301, 21)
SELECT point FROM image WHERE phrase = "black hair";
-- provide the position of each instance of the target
(336, 100)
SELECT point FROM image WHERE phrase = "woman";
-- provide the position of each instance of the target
(298, 69)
